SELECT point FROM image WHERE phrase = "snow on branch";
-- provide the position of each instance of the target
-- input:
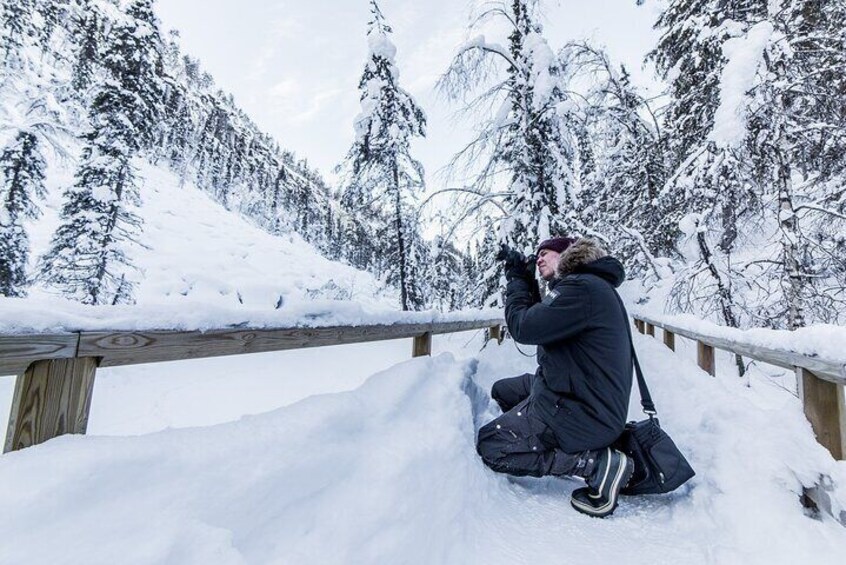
(472, 66)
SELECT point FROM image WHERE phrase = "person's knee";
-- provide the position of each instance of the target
(501, 461)
(488, 447)
(509, 392)
(501, 393)
(496, 395)
(492, 458)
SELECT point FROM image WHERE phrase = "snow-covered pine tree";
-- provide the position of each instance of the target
(797, 141)
(380, 174)
(134, 60)
(761, 189)
(524, 162)
(23, 167)
(16, 30)
(711, 192)
(87, 260)
(51, 11)
(449, 274)
(87, 35)
(627, 156)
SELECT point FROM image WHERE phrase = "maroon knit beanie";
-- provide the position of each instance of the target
(557, 244)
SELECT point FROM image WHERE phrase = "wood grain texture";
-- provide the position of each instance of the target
(129, 348)
(17, 352)
(705, 358)
(422, 345)
(51, 398)
(670, 339)
(823, 368)
(495, 332)
(650, 329)
(823, 403)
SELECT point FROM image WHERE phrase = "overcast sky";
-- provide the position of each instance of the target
(294, 65)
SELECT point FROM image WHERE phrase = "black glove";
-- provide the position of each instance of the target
(516, 264)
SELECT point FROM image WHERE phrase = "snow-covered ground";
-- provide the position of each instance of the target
(387, 472)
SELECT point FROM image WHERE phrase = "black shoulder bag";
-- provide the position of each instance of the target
(659, 465)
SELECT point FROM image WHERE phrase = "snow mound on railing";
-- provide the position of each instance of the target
(821, 340)
(51, 314)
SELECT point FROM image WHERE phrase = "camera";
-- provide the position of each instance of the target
(504, 250)
(512, 256)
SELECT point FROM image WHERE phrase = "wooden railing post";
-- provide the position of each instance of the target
(650, 329)
(639, 325)
(670, 339)
(705, 358)
(51, 398)
(422, 345)
(495, 332)
(823, 405)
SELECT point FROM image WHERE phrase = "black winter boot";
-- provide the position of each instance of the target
(612, 471)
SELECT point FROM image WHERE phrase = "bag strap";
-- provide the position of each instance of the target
(645, 397)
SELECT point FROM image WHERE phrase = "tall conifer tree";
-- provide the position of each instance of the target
(87, 259)
(757, 128)
(22, 166)
(16, 30)
(526, 160)
(628, 160)
(381, 175)
(710, 192)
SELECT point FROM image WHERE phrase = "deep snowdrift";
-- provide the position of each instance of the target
(387, 473)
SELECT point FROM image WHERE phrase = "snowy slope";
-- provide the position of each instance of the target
(388, 473)
(199, 265)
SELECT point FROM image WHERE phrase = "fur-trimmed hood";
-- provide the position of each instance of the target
(588, 256)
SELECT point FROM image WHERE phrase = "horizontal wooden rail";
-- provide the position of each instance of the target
(117, 348)
(56, 371)
(820, 384)
(825, 369)
(17, 352)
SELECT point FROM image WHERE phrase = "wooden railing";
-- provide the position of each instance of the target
(56, 371)
(820, 383)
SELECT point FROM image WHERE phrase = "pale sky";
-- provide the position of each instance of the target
(294, 65)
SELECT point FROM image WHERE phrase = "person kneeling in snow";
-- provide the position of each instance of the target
(562, 420)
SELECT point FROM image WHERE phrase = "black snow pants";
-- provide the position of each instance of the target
(519, 443)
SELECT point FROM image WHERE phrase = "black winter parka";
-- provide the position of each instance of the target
(582, 386)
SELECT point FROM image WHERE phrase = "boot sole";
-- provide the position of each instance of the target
(620, 478)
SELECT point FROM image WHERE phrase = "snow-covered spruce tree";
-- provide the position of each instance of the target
(87, 35)
(711, 192)
(447, 274)
(762, 191)
(627, 160)
(797, 141)
(16, 30)
(87, 259)
(23, 167)
(52, 12)
(382, 179)
(523, 167)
